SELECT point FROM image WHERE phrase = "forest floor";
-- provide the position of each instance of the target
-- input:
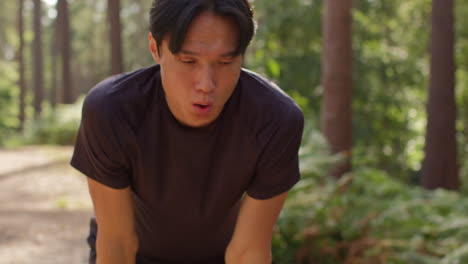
(44, 207)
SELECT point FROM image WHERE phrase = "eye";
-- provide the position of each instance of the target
(225, 62)
(185, 60)
(188, 61)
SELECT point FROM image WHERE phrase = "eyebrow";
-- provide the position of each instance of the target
(227, 54)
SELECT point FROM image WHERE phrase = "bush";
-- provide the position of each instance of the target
(367, 217)
(56, 126)
(8, 108)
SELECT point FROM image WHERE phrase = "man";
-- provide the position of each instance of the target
(189, 161)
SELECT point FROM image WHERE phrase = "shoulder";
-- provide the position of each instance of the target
(266, 107)
(122, 94)
(125, 86)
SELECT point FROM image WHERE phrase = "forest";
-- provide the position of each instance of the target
(383, 86)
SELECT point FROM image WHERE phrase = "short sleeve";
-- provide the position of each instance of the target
(100, 149)
(278, 166)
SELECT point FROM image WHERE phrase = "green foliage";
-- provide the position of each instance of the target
(57, 126)
(390, 72)
(8, 117)
(462, 90)
(367, 217)
(287, 45)
(390, 43)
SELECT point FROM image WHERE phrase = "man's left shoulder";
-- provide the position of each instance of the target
(268, 101)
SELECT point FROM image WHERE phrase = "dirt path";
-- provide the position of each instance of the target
(44, 207)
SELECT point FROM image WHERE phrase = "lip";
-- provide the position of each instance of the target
(202, 108)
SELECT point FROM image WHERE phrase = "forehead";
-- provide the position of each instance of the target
(209, 32)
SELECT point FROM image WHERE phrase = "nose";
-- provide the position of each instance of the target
(206, 80)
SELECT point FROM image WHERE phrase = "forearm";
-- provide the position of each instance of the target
(251, 241)
(250, 256)
(111, 251)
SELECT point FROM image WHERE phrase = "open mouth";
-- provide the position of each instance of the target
(202, 106)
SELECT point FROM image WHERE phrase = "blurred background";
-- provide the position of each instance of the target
(383, 86)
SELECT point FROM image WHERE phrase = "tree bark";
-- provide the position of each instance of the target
(440, 169)
(38, 61)
(53, 76)
(65, 51)
(54, 91)
(113, 7)
(22, 83)
(336, 118)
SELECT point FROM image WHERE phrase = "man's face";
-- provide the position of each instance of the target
(199, 79)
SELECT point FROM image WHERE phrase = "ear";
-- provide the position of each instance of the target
(153, 48)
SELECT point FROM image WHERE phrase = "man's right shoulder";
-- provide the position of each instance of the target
(123, 89)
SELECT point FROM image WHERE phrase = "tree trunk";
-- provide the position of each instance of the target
(336, 123)
(54, 44)
(37, 57)
(65, 51)
(22, 83)
(53, 76)
(113, 7)
(440, 165)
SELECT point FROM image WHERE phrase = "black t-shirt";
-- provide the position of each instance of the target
(187, 182)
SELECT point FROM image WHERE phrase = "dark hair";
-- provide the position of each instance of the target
(175, 16)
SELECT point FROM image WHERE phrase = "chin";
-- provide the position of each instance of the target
(202, 123)
(195, 122)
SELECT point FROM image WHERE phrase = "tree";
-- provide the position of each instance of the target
(37, 57)
(336, 80)
(22, 82)
(53, 93)
(135, 28)
(440, 164)
(63, 26)
(113, 7)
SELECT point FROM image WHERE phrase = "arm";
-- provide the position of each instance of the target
(251, 241)
(117, 242)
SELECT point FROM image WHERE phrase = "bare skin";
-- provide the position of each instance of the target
(117, 242)
(251, 242)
